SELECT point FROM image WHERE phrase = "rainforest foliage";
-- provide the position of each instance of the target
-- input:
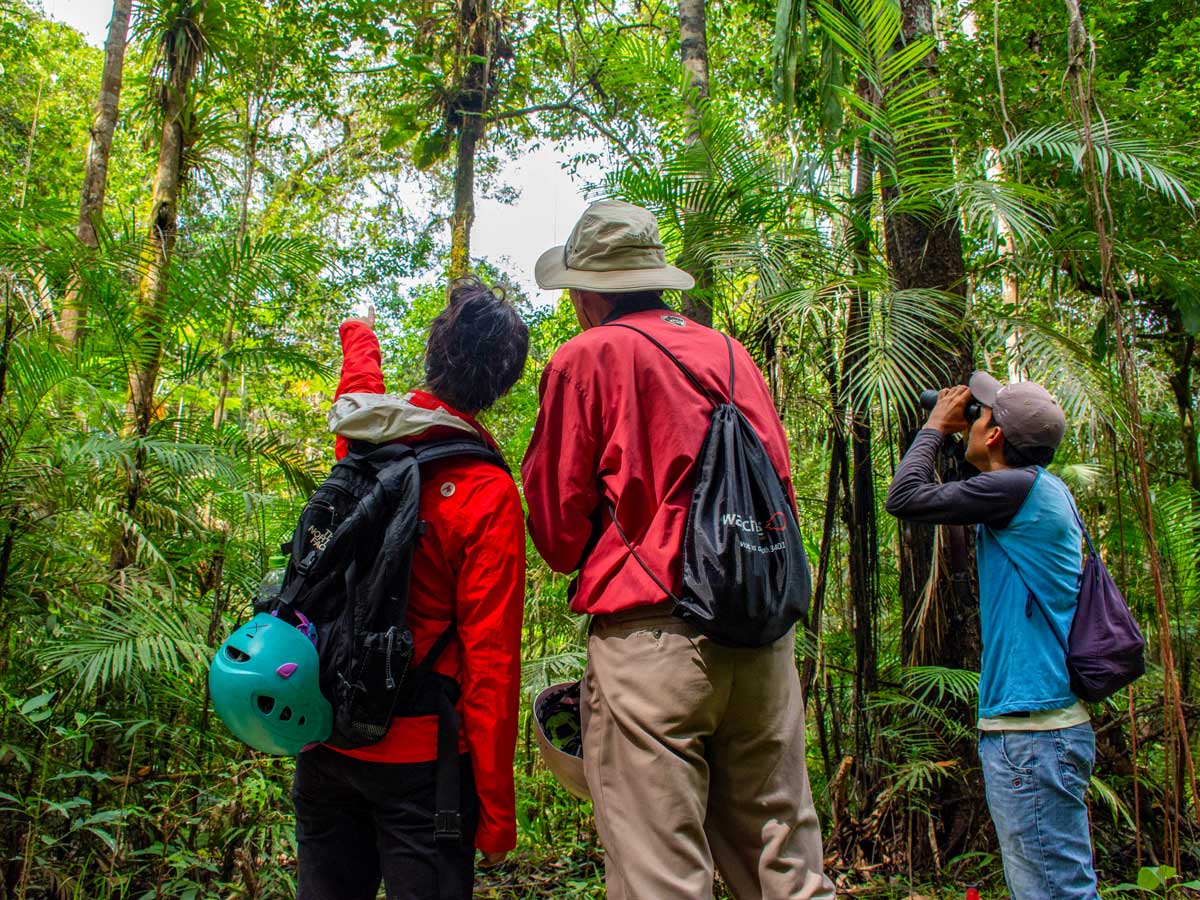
(876, 196)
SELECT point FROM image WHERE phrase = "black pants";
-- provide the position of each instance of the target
(359, 822)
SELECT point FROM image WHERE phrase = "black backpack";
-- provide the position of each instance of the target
(746, 579)
(348, 574)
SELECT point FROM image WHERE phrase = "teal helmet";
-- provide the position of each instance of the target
(265, 686)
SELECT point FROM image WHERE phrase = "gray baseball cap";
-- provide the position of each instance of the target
(1026, 412)
(613, 248)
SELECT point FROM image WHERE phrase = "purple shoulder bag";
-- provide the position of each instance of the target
(1105, 649)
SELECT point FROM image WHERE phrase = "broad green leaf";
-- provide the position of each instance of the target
(1148, 879)
(36, 702)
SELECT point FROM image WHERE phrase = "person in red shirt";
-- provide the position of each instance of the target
(367, 815)
(693, 752)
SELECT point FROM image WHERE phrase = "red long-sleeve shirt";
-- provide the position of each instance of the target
(469, 568)
(619, 423)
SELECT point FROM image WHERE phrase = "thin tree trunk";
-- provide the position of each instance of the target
(248, 172)
(1184, 355)
(95, 173)
(816, 611)
(1181, 387)
(464, 197)
(693, 50)
(476, 37)
(156, 257)
(182, 59)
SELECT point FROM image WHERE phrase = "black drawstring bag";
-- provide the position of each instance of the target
(746, 579)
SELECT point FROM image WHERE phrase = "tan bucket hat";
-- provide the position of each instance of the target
(556, 712)
(614, 248)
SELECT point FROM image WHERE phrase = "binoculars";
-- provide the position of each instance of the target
(929, 400)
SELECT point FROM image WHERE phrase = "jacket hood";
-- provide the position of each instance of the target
(380, 418)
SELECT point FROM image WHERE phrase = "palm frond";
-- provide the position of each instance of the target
(137, 634)
(1137, 159)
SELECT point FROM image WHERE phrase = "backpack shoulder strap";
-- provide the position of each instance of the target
(385, 465)
(1086, 536)
(437, 450)
(705, 392)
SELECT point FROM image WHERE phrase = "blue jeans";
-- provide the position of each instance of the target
(1035, 783)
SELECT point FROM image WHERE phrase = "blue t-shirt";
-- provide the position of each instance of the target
(1024, 666)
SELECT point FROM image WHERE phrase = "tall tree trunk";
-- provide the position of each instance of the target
(860, 518)
(182, 48)
(95, 174)
(937, 581)
(924, 251)
(693, 51)
(476, 30)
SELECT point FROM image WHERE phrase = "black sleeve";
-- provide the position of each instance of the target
(991, 498)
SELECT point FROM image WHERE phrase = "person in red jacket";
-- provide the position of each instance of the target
(693, 752)
(368, 814)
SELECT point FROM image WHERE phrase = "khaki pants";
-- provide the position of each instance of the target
(694, 752)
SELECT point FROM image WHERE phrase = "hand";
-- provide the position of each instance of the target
(491, 860)
(948, 416)
(368, 319)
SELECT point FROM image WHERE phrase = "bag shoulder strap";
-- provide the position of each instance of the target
(612, 512)
(443, 640)
(438, 450)
(1032, 595)
(1086, 536)
(705, 392)
(383, 462)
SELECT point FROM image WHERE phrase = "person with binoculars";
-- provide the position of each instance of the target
(1036, 742)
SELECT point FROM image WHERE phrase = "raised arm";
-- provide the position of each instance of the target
(362, 364)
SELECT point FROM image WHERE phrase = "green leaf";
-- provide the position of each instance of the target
(36, 703)
(1148, 879)
(108, 839)
(431, 147)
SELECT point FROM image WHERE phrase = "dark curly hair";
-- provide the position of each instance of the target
(477, 347)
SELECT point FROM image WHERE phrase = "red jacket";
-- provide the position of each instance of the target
(469, 568)
(620, 423)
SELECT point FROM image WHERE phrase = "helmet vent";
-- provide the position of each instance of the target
(235, 654)
(266, 704)
(300, 724)
(286, 714)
